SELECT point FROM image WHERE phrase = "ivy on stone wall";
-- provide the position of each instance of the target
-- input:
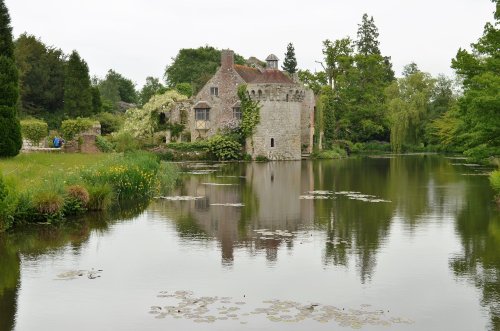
(250, 112)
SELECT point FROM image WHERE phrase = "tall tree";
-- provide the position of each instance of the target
(195, 66)
(115, 88)
(77, 87)
(338, 59)
(41, 76)
(290, 62)
(10, 129)
(367, 42)
(150, 88)
(408, 101)
(479, 108)
(410, 69)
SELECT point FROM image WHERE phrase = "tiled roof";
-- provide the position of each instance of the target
(247, 73)
(253, 75)
(273, 76)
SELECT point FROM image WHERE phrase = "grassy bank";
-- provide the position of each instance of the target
(50, 188)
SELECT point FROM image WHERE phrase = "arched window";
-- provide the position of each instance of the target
(260, 94)
(272, 142)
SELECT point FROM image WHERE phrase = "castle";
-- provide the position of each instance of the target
(287, 107)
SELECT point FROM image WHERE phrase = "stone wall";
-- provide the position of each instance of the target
(278, 135)
(307, 121)
(84, 142)
(227, 80)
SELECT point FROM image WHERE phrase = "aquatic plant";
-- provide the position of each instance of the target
(132, 176)
(495, 183)
(49, 205)
(100, 197)
(76, 200)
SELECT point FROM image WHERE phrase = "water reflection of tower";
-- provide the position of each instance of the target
(277, 186)
(270, 194)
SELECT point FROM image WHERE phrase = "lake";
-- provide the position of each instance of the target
(371, 243)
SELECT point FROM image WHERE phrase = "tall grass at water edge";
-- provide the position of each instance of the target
(38, 187)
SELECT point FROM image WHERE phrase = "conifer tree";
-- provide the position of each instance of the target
(77, 87)
(367, 42)
(10, 129)
(290, 63)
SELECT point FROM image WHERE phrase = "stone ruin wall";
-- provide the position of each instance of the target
(280, 120)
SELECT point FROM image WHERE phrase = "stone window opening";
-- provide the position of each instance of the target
(260, 94)
(272, 142)
(214, 91)
(253, 94)
(202, 114)
(287, 97)
(237, 113)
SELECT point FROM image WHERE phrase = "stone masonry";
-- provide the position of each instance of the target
(286, 115)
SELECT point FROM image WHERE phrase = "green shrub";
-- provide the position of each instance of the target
(495, 182)
(109, 122)
(125, 142)
(194, 146)
(7, 206)
(261, 158)
(334, 153)
(34, 130)
(100, 197)
(70, 128)
(76, 200)
(104, 144)
(371, 146)
(49, 205)
(224, 148)
(10, 131)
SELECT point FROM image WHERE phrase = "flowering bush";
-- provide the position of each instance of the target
(143, 122)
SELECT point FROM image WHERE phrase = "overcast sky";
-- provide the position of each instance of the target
(138, 38)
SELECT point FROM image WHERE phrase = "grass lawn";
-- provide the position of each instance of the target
(30, 170)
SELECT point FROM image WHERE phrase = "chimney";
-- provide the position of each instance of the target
(227, 58)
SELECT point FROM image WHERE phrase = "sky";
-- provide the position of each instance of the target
(139, 38)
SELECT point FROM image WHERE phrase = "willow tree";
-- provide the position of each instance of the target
(408, 103)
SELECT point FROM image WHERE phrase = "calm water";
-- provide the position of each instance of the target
(382, 243)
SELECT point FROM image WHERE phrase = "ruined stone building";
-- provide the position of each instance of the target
(286, 115)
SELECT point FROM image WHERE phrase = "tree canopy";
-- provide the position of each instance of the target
(474, 125)
(77, 87)
(195, 66)
(41, 76)
(10, 129)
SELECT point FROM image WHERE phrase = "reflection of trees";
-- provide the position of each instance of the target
(478, 224)
(354, 226)
(9, 278)
(34, 241)
(414, 182)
